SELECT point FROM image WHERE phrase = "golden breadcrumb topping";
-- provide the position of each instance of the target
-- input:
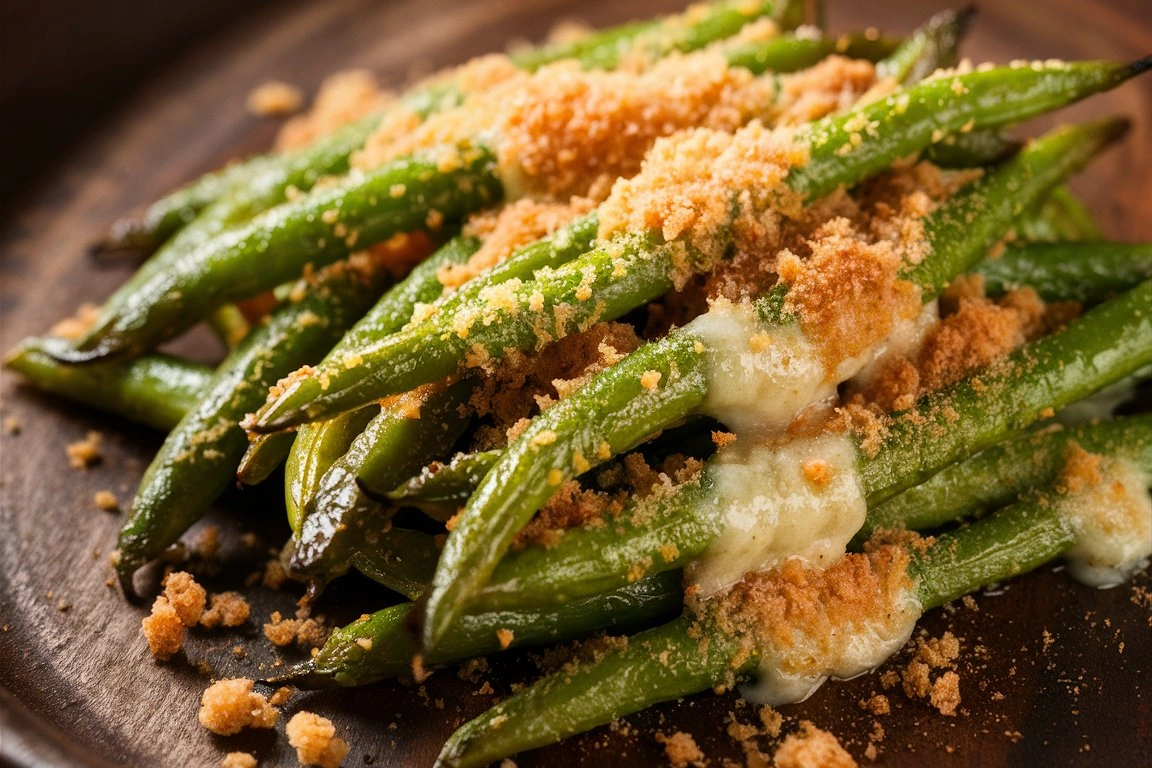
(229, 706)
(797, 612)
(508, 229)
(564, 131)
(847, 294)
(315, 740)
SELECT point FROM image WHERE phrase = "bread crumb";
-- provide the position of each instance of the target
(945, 694)
(163, 629)
(274, 574)
(307, 633)
(185, 596)
(238, 760)
(941, 653)
(84, 453)
(681, 750)
(877, 705)
(274, 98)
(280, 696)
(650, 380)
(505, 636)
(812, 747)
(12, 425)
(229, 706)
(771, 720)
(226, 609)
(74, 327)
(315, 740)
(106, 500)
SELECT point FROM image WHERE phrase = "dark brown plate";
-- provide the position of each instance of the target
(1054, 673)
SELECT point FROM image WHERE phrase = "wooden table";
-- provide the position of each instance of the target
(1053, 673)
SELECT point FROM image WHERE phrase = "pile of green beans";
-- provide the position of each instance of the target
(356, 393)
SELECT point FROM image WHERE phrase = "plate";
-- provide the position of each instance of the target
(1051, 673)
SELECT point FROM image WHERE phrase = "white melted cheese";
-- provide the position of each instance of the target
(792, 674)
(1113, 525)
(759, 379)
(905, 340)
(770, 511)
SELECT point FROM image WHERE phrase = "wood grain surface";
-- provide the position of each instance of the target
(1053, 673)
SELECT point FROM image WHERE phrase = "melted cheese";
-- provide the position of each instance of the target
(791, 674)
(759, 379)
(1113, 525)
(770, 510)
(906, 338)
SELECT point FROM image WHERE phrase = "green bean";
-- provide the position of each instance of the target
(388, 652)
(615, 410)
(686, 657)
(318, 445)
(169, 214)
(263, 456)
(1059, 218)
(1084, 272)
(439, 489)
(659, 37)
(229, 325)
(316, 448)
(972, 149)
(393, 446)
(316, 229)
(634, 269)
(401, 559)
(931, 47)
(790, 53)
(198, 460)
(997, 475)
(156, 390)
(1105, 345)
(1108, 343)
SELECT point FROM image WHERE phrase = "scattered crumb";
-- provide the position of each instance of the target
(84, 453)
(280, 696)
(106, 500)
(943, 692)
(306, 632)
(163, 629)
(315, 740)
(185, 596)
(274, 98)
(238, 760)
(12, 425)
(229, 706)
(226, 609)
(812, 747)
(274, 574)
(681, 750)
